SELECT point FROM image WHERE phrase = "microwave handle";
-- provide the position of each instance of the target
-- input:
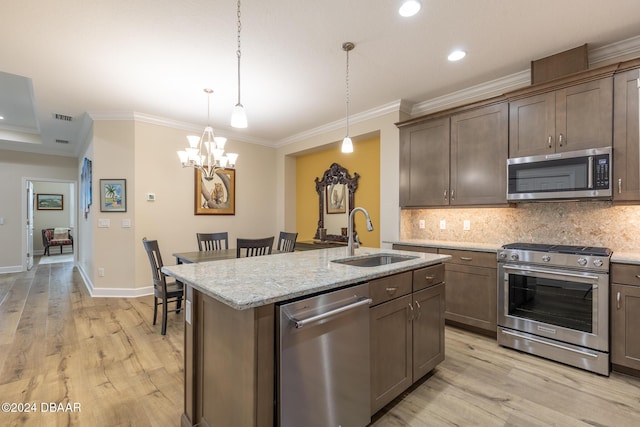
(590, 173)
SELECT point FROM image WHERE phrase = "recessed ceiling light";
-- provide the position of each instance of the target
(1, 118)
(456, 55)
(409, 8)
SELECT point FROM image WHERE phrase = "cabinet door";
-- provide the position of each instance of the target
(584, 115)
(479, 149)
(626, 136)
(391, 344)
(428, 329)
(424, 164)
(471, 294)
(532, 124)
(625, 324)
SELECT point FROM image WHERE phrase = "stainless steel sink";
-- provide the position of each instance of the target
(374, 260)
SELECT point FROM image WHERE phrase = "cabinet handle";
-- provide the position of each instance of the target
(466, 258)
(452, 195)
(619, 185)
(411, 308)
(618, 300)
(637, 276)
(560, 139)
(391, 291)
(445, 194)
(419, 310)
(429, 278)
(550, 141)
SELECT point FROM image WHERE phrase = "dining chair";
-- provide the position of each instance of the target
(212, 241)
(287, 241)
(163, 292)
(254, 247)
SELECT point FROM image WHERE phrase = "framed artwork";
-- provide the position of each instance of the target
(216, 196)
(86, 187)
(113, 195)
(50, 202)
(336, 198)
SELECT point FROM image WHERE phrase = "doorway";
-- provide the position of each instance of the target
(54, 205)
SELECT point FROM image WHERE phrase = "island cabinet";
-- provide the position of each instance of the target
(407, 331)
(625, 318)
(566, 119)
(626, 136)
(458, 159)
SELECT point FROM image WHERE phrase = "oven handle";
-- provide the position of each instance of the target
(554, 272)
(584, 353)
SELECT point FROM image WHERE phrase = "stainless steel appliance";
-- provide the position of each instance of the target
(553, 301)
(323, 360)
(570, 175)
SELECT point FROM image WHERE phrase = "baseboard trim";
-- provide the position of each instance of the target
(11, 269)
(113, 292)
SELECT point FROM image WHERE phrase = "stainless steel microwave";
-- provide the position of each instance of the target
(571, 175)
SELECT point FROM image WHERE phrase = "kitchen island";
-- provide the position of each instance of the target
(230, 351)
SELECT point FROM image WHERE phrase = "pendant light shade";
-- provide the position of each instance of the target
(239, 116)
(347, 144)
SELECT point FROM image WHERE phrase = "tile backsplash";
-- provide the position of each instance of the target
(588, 223)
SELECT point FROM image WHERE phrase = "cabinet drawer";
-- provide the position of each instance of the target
(388, 288)
(625, 274)
(428, 276)
(478, 259)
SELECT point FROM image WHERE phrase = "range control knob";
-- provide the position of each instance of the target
(503, 255)
(546, 258)
(582, 261)
(597, 262)
(515, 257)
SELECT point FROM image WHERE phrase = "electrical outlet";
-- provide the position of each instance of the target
(100, 272)
(422, 224)
(443, 224)
(466, 225)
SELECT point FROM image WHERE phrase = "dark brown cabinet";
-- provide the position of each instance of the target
(626, 136)
(471, 292)
(407, 331)
(455, 160)
(625, 317)
(567, 119)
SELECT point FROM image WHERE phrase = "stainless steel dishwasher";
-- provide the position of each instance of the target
(323, 360)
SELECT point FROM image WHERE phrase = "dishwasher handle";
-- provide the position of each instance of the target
(301, 322)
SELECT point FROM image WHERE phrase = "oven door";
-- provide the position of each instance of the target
(560, 304)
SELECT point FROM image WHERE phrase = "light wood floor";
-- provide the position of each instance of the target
(57, 344)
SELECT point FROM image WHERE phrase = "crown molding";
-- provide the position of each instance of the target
(615, 51)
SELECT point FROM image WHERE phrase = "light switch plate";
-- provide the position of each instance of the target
(104, 223)
(422, 224)
(125, 223)
(443, 224)
(466, 225)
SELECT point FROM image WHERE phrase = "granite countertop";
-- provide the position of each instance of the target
(625, 257)
(255, 281)
(467, 246)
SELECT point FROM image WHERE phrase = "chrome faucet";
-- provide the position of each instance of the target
(352, 245)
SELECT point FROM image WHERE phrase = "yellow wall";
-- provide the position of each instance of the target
(365, 160)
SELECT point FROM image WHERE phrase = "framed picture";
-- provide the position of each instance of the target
(113, 195)
(336, 198)
(50, 202)
(216, 196)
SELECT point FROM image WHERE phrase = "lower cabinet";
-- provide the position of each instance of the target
(407, 331)
(625, 317)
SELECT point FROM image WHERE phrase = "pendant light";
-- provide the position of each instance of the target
(347, 144)
(239, 116)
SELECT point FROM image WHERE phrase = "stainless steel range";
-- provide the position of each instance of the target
(553, 301)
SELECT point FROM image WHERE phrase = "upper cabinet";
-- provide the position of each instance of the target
(458, 159)
(626, 136)
(567, 119)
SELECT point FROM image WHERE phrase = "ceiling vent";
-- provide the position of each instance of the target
(62, 141)
(62, 117)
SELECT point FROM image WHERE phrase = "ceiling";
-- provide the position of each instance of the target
(121, 58)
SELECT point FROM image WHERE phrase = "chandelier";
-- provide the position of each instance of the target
(206, 153)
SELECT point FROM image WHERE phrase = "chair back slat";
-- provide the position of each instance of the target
(254, 247)
(213, 241)
(155, 261)
(287, 241)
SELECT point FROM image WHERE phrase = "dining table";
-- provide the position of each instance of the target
(205, 256)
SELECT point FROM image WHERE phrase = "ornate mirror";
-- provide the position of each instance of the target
(335, 202)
